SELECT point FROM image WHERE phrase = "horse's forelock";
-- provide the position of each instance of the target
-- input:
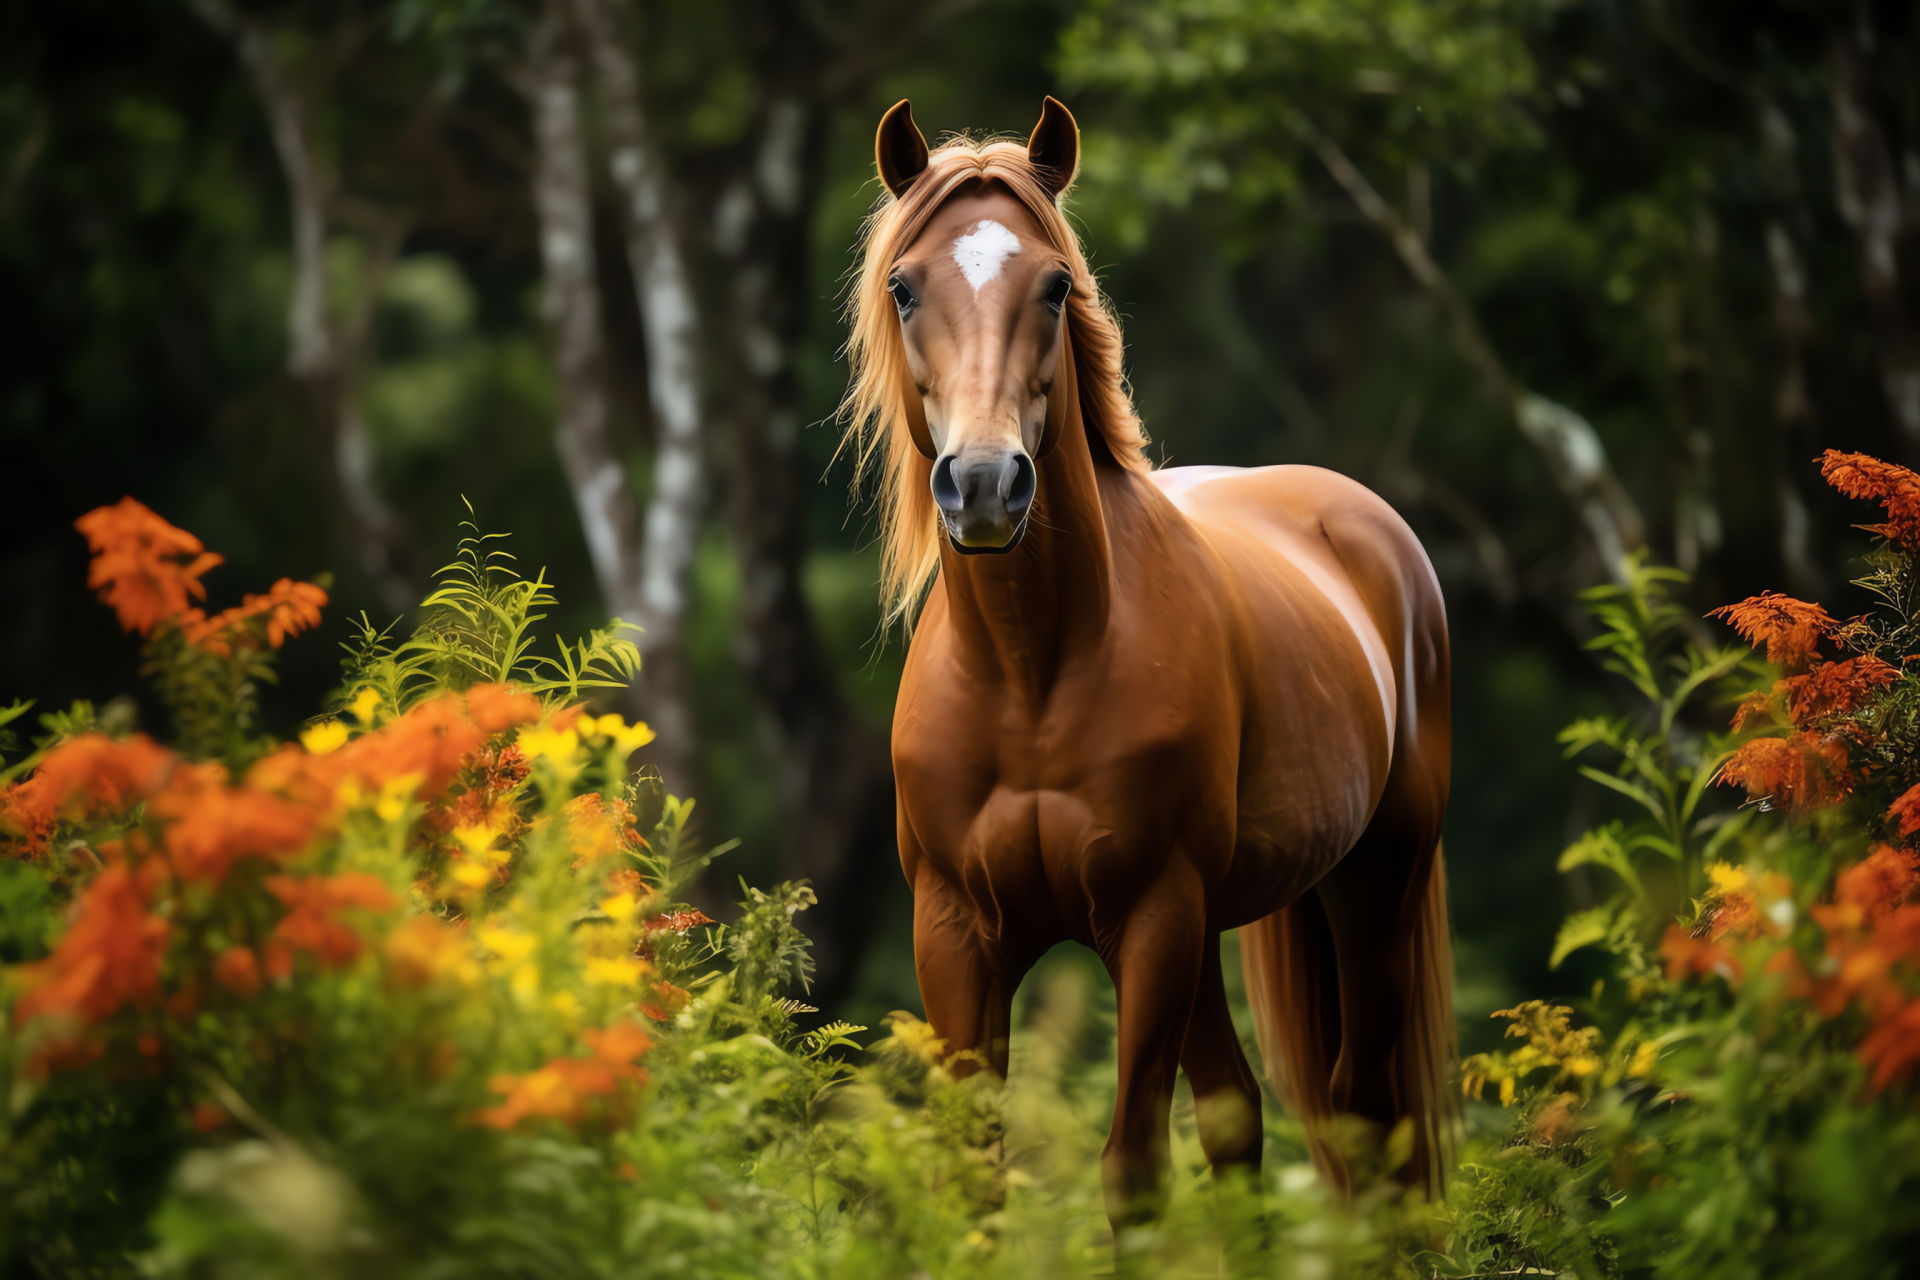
(873, 412)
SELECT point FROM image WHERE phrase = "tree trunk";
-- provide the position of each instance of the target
(1867, 189)
(563, 205)
(669, 317)
(324, 362)
(835, 772)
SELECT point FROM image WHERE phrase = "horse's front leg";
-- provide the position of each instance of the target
(1156, 961)
(965, 981)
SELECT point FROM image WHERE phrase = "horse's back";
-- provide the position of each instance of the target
(1287, 530)
(1341, 535)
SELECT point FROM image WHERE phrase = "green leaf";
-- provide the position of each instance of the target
(1639, 795)
(1581, 929)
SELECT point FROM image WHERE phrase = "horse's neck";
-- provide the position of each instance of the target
(1022, 616)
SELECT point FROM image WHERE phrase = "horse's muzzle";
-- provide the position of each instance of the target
(984, 497)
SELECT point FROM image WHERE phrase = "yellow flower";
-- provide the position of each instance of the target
(558, 746)
(615, 973)
(620, 906)
(566, 1004)
(471, 876)
(525, 983)
(1643, 1059)
(477, 840)
(628, 740)
(1727, 879)
(366, 705)
(328, 735)
(1506, 1091)
(511, 945)
(1584, 1065)
(395, 796)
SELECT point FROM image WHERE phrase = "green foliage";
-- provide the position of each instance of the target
(477, 628)
(1209, 98)
(1659, 763)
(768, 950)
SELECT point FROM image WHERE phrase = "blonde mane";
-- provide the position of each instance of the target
(873, 410)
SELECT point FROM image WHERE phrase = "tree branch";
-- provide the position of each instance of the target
(1572, 449)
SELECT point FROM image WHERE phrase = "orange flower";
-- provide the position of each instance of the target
(1806, 771)
(1736, 914)
(91, 775)
(212, 825)
(238, 970)
(560, 1089)
(627, 880)
(421, 949)
(1686, 955)
(108, 957)
(1791, 629)
(143, 567)
(1883, 880)
(1892, 1048)
(1834, 688)
(1905, 811)
(1895, 488)
(672, 1000)
(495, 707)
(289, 607)
(311, 923)
(434, 741)
(599, 828)
(618, 1046)
(678, 921)
(208, 1116)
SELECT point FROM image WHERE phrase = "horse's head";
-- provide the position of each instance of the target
(981, 293)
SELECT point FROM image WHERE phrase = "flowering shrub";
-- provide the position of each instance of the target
(411, 992)
(1741, 1101)
(415, 993)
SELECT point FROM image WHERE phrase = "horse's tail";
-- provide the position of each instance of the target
(1293, 987)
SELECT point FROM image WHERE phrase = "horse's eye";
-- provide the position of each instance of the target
(1056, 296)
(903, 299)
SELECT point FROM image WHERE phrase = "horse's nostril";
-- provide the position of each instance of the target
(1017, 488)
(946, 486)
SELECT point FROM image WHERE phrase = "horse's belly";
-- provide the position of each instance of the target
(1266, 874)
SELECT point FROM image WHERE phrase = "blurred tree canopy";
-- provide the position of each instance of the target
(1557, 277)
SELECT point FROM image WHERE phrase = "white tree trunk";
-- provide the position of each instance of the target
(563, 204)
(325, 363)
(669, 316)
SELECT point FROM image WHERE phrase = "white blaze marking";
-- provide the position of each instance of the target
(980, 252)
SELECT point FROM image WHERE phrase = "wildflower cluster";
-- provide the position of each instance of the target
(1764, 993)
(416, 988)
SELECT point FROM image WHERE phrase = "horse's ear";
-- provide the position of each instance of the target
(1054, 148)
(898, 149)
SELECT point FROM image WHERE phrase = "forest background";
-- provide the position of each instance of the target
(1557, 277)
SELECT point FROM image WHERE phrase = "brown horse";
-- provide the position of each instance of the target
(1143, 707)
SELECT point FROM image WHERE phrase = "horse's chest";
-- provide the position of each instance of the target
(1066, 814)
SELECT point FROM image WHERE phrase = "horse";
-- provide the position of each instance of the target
(1142, 707)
